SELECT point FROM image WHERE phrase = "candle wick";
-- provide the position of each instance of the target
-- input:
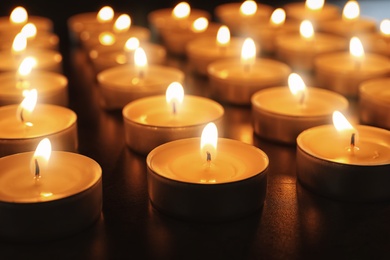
(21, 115)
(37, 174)
(352, 146)
(302, 99)
(208, 157)
(141, 74)
(174, 108)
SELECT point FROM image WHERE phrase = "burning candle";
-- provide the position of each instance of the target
(351, 24)
(378, 42)
(374, 102)
(236, 80)
(47, 195)
(52, 87)
(122, 84)
(22, 126)
(345, 162)
(152, 121)
(240, 16)
(300, 50)
(281, 116)
(342, 72)
(207, 178)
(203, 51)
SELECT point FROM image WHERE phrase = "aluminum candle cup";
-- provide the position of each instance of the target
(278, 116)
(376, 43)
(230, 15)
(327, 167)
(149, 122)
(42, 40)
(41, 23)
(46, 60)
(66, 200)
(231, 82)
(103, 59)
(300, 53)
(374, 105)
(52, 87)
(180, 183)
(340, 72)
(299, 12)
(55, 122)
(348, 29)
(122, 84)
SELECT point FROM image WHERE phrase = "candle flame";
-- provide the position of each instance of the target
(314, 4)
(306, 29)
(248, 52)
(107, 38)
(208, 142)
(26, 66)
(356, 48)
(340, 122)
(278, 17)
(41, 157)
(351, 10)
(223, 36)
(200, 24)
(122, 23)
(105, 14)
(297, 86)
(19, 15)
(182, 10)
(174, 95)
(248, 8)
(19, 44)
(27, 106)
(385, 27)
(140, 58)
(29, 30)
(132, 44)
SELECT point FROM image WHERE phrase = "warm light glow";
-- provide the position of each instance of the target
(356, 48)
(18, 15)
(106, 14)
(122, 24)
(385, 27)
(306, 29)
(174, 96)
(19, 44)
(107, 38)
(297, 86)
(278, 17)
(351, 10)
(182, 10)
(132, 44)
(26, 66)
(140, 61)
(340, 122)
(41, 158)
(248, 52)
(315, 4)
(208, 142)
(200, 24)
(27, 106)
(248, 7)
(223, 36)
(29, 30)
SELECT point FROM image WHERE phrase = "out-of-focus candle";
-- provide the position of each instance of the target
(236, 80)
(152, 121)
(193, 171)
(378, 42)
(281, 116)
(345, 162)
(343, 72)
(48, 195)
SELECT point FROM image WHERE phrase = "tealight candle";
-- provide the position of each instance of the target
(378, 42)
(374, 102)
(194, 179)
(150, 122)
(281, 116)
(203, 51)
(47, 196)
(240, 16)
(314, 10)
(351, 24)
(52, 87)
(21, 129)
(19, 17)
(103, 59)
(181, 16)
(345, 162)
(125, 83)
(343, 72)
(300, 50)
(235, 81)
